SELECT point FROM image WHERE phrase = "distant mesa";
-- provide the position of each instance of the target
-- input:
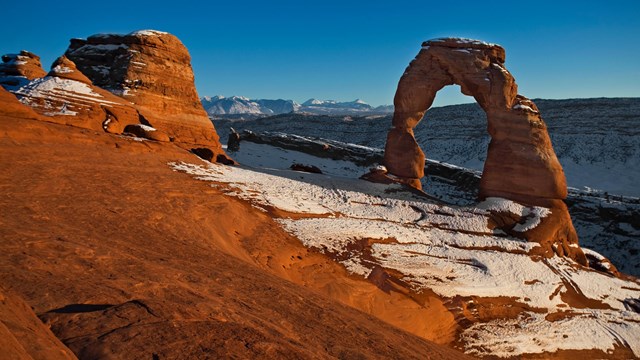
(239, 106)
(521, 164)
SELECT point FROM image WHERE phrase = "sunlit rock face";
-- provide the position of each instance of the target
(521, 164)
(151, 69)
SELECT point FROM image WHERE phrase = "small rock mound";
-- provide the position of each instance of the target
(65, 69)
(306, 168)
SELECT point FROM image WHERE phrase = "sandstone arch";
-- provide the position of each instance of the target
(521, 164)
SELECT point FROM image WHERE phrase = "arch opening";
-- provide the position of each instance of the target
(455, 141)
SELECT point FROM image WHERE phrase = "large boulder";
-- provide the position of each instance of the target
(152, 70)
(521, 164)
(18, 69)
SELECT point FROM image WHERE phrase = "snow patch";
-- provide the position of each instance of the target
(148, 33)
(524, 107)
(55, 89)
(587, 330)
(146, 127)
(59, 69)
(462, 41)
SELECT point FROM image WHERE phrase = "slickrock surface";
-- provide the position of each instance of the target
(11, 107)
(151, 69)
(125, 258)
(508, 301)
(521, 164)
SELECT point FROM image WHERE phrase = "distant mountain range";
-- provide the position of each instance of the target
(242, 107)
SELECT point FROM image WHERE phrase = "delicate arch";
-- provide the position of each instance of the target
(521, 164)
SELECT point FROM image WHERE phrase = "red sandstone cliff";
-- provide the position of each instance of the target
(152, 70)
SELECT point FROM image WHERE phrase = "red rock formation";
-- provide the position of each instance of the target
(17, 69)
(521, 164)
(152, 70)
(64, 68)
(66, 96)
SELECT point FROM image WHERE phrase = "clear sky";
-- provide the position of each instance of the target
(345, 50)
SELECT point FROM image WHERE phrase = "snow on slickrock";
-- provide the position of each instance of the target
(54, 89)
(449, 250)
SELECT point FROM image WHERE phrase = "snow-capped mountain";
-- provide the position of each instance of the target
(239, 106)
(315, 106)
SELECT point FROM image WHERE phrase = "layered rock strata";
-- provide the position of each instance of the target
(152, 70)
(521, 164)
(66, 96)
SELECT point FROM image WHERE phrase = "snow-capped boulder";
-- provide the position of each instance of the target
(64, 68)
(18, 69)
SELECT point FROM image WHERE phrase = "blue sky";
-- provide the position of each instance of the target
(345, 50)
